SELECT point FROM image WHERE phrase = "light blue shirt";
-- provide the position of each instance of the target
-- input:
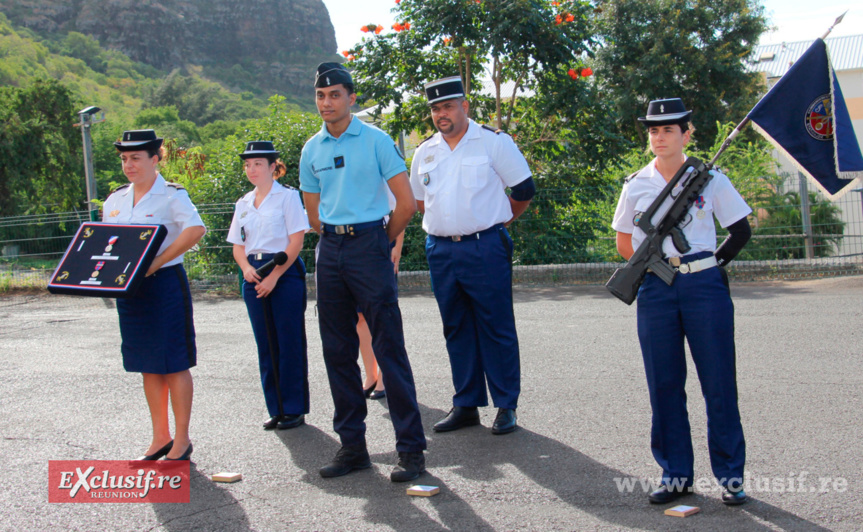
(350, 172)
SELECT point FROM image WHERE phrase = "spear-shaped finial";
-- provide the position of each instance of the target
(835, 22)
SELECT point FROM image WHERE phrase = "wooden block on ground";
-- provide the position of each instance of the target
(682, 511)
(423, 491)
(227, 477)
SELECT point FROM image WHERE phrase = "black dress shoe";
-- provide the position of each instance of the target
(458, 417)
(368, 391)
(504, 423)
(347, 459)
(291, 421)
(185, 455)
(271, 423)
(733, 498)
(160, 453)
(410, 466)
(378, 394)
(666, 494)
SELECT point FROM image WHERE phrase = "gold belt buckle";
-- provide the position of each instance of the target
(674, 261)
(456, 238)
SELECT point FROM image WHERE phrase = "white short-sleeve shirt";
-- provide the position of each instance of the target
(719, 198)
(164, 204)
(267, 228)
(464, 189)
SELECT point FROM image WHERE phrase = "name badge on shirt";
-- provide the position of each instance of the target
(426, 180)
(339, 161)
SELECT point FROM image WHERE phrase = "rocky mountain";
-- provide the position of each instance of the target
(276, 42)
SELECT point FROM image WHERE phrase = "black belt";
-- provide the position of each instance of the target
(351, 229)
(472, 236)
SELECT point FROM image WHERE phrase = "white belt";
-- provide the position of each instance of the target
(694, 266)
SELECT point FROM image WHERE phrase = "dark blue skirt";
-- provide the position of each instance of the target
(156, 326)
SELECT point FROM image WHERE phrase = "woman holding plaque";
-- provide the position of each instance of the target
(156, 326)
(268, 220)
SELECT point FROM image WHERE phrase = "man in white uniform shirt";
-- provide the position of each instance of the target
(459, 177)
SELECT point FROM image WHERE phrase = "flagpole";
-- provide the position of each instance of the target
(837, 21)
(728, 141)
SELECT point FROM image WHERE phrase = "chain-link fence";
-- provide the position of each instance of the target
(558, 241)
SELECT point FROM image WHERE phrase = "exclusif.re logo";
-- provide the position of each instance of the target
(87, 481)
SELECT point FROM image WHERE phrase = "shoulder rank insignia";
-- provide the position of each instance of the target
(632, 175)
(178, 186)
(121, 187)
(493, 130)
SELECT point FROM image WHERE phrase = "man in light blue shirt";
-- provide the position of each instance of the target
(345, 171)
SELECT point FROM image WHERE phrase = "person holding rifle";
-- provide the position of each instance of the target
(696, 306)
(268, 220)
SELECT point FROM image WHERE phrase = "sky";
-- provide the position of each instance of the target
(795, 20)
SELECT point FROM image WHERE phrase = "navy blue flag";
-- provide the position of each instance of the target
(805, 117)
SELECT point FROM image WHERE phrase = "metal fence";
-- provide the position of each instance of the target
(556, 242)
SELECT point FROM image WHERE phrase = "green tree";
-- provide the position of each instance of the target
(692, 49)
(41, 168)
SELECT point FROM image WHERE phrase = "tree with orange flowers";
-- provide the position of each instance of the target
(518, 44)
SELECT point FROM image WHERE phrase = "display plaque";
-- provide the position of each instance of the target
(107, 260)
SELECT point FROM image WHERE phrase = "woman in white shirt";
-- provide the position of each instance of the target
(156, 325)
(268, 220)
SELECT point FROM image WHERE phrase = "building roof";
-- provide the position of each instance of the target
(846, 53)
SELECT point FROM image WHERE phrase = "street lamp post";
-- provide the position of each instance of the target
(88, 118)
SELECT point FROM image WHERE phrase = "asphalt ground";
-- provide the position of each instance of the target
(584, 421)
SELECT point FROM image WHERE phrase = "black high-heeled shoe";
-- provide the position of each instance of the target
(160, 453)
(185, 455)
(368, 391)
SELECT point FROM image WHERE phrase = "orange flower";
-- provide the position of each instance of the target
(398, 1)
(345, 53)
(573, 74)
(378, 29)
(351, 57)
(364, 29)
(446, 40)
(555, 3)
(586, 72)
(407, 25)
(570, 17)
(558, 20)
(398, 27)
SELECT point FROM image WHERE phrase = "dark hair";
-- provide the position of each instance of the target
(349, 87)
(159, 152)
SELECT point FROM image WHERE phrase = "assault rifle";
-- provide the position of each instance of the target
(686, 185)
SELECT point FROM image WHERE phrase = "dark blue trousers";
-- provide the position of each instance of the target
(356, 272)
(472, 282)
(288, 307)
(697, 307)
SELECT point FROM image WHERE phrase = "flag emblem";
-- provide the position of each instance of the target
(819, 118)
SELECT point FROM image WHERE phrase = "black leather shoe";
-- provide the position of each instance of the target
(504, 423)
(346, 460)
(410, 466)
(368, 391)
(665, 494)
(185, 455)
(733, 498)
(291, 421)
(458, 417)
(271, 423)
(378, 394)
(160, 453)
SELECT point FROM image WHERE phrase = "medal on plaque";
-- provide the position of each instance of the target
(107, 260)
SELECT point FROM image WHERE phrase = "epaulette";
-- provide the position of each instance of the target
(289, 187)
(425, 139)
(493, 130)
(121, 187)
(628, 179)
(178, 186)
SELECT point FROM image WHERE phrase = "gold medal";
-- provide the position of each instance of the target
(114, 213)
